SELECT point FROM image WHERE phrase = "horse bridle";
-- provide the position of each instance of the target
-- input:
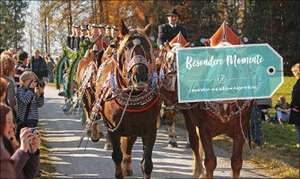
(135, 59)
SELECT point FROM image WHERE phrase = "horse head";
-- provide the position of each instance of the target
(135, 57)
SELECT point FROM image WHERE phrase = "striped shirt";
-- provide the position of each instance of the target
(20, 68)
(24, 96)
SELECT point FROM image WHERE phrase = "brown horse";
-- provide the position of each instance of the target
(168, 90)
(86, 79)
(226, 117)
(127, 99)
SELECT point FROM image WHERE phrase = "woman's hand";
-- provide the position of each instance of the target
(25, 136)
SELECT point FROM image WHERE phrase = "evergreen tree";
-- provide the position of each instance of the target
(12, 22)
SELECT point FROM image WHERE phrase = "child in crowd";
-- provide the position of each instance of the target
(282, 110)
(30, 97)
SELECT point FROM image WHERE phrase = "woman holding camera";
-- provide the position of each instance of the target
(24, 155)
(30, 97)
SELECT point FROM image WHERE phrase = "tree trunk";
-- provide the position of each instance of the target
(101, 14)
(70, 17)
(93, 11)
(46, 33)
(15, 25)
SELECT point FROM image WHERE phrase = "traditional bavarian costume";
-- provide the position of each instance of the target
(84, 41)
(167, 32)
(71, 38)
(97, 45)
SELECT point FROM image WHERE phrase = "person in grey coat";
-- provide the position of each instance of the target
(39, 66)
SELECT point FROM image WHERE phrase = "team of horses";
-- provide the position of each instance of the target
(127, 91)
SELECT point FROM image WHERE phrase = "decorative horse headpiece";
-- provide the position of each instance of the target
(135, 56)
(224, 36)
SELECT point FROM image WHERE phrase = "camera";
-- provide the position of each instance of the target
(33, 130)
(40, 83)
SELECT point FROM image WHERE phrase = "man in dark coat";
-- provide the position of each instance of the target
(166, 32)
(39, 66)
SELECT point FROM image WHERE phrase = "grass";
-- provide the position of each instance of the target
(284, 90)
(278, 156)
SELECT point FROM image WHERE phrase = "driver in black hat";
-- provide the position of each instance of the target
(166, 32)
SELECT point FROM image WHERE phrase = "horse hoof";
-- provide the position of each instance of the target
(107, 147)
(94, 140)
(173, 144)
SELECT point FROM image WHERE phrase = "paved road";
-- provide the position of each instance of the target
(62, 134)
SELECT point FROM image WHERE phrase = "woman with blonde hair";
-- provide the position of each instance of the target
(7, 71)
(295, 103)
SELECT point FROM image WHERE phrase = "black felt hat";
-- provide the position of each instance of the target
(173, 12)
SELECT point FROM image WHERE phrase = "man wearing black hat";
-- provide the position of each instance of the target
(166, 32)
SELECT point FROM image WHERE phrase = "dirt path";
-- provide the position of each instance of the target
(62, 134)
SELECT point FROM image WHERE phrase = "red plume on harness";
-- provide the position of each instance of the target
(224, 34)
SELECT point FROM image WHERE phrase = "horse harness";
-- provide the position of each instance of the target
(114, 89)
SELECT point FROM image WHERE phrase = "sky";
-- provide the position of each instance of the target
(31, 23)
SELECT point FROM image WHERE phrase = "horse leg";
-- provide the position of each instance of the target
(237, 156)
(146, 163)
(117, 155)
(195, 145)
(172, 134)
(126, 146)
(108, 144)
(210, 160)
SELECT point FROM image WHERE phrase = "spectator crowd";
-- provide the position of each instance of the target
(22, 82)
